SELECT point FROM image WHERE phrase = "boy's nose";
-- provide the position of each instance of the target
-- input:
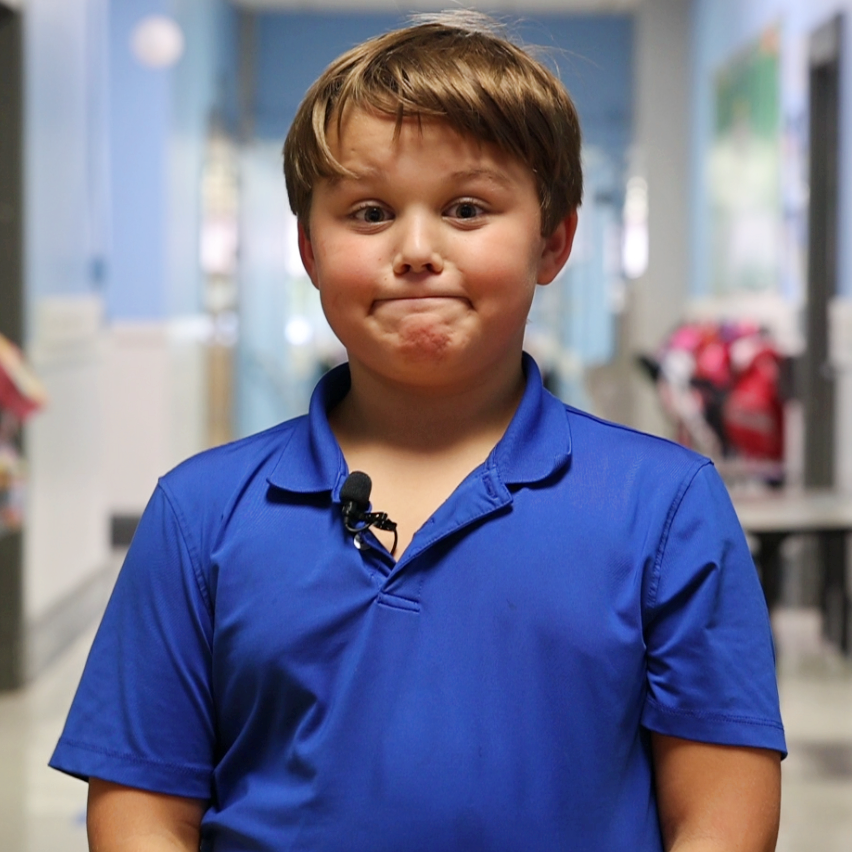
(418, 247)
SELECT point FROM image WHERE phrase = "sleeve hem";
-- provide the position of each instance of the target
(717, 728)
(84, 762)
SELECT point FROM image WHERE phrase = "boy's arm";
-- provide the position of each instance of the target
(714, 798)
(125, 819)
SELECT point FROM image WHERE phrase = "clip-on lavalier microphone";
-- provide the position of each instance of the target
(355, 496)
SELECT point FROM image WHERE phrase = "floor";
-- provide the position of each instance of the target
(44, 811)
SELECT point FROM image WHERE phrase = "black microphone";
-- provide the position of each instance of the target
(355, 496)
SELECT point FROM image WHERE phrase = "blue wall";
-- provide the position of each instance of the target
(114, 152)
(139, 127)
(158, 126)
(199, 84)
(66, 213)
(720, 29)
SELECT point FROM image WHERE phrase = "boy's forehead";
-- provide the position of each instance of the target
(356, 123)
(364, 142)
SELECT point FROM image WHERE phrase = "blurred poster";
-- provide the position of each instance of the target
(745, 171)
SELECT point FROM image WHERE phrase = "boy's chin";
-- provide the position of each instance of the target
(425, 345)
(417, 347)
(432, 365)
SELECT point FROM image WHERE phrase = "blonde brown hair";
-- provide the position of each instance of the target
(456, 68)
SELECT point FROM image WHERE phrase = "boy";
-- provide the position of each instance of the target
(561, 646)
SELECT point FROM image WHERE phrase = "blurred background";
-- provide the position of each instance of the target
(152, 303)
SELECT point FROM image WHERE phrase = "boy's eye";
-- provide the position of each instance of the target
(464, 210)
(372, 214)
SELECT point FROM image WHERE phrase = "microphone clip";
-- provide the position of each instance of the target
(358, 522)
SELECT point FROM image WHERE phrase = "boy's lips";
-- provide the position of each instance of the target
(440, 308)
(419, 303)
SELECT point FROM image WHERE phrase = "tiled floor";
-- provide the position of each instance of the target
(816, 702)
(43, 811)
(40, 810)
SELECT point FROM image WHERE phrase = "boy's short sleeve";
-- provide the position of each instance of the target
(143, 713)
(711, 663)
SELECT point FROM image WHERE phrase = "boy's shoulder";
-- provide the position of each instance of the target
(211, 479)
(592, 428)
(605, 444)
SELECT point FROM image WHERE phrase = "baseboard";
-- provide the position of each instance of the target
(11, 601)
(122, 528)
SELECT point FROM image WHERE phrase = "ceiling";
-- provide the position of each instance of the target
(514, 6)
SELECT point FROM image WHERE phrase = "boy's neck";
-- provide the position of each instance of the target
(379, 412)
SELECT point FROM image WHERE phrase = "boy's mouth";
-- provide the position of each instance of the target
(407, 305)
(422, 300)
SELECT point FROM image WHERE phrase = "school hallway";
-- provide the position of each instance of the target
(44, 811)
(151, 277)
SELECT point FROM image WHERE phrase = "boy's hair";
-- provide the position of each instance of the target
(453, 67)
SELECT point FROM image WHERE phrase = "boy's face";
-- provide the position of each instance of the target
(427, 261)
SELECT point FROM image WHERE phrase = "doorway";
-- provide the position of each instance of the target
(818, 392)
(11, 319)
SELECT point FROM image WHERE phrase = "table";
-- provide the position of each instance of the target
(772, 516)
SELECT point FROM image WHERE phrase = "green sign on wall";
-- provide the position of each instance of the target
(744, 171)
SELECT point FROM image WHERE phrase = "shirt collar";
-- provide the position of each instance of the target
(536, 445)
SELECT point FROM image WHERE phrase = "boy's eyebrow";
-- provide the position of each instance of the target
(493, 175)
(370, 172)
(354, 176)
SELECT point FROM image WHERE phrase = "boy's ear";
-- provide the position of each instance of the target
(557, 249)
(306, 252)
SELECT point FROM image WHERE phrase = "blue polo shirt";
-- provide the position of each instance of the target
(493, 690)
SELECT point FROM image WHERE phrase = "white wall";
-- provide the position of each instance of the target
(126, 404)
(66, 539)
(155, 405)
(840, 356)
(656, 301)
(65, 231)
